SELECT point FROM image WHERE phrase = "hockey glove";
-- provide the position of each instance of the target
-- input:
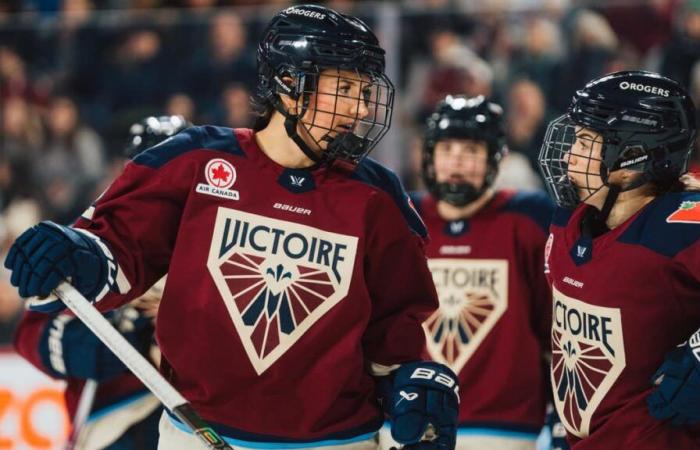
(71, 350)
(425, 406)
(47, 254)
(556, 429)
(677, 396)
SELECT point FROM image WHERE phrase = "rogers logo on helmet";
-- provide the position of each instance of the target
(306, 13)
(625, 85)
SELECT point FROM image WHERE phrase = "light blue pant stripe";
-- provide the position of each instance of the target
(111, 408)
(272, 445)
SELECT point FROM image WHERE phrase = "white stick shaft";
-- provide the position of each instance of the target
(138, 364)
(87, 398)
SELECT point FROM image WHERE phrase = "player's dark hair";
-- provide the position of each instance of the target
(262, 111)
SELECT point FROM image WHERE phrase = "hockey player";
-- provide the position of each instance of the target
(123, 415)
(622, 260)
(485, 255)
(295, 265)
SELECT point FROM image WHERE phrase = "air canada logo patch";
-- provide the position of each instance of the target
(220, 175)
(473, 296)
(588, 355)
(687, 212)
(277, 278)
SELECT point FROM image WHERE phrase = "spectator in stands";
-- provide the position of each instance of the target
(180, 104)
(683, 50)
(593, 45)
(539, 55)
(224, 59)
(138, 77)
(70, 163)
(234, 109)
(13, 220)
(525, 124)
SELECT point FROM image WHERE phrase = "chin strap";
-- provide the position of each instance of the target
(291, 125)
(613, 192)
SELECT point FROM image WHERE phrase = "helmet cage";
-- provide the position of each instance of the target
(554, 160)
(347, 135)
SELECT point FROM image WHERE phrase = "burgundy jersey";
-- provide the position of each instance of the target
(622, 300)
(284, 285)
(492, 327)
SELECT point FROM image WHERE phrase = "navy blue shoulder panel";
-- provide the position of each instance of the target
(193, 138)
(374, 174)
(561, 216)
(652, 230)
(535, 205)
(417, 198)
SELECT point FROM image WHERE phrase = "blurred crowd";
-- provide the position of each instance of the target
(75, 74)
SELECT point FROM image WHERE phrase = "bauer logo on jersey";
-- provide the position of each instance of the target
(473, 296)
(277, 278)
(588, 355)
(220, 175)
(687, 212)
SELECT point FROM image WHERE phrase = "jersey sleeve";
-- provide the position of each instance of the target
(535, 239)
(400, 286)
(138, 216)
(28, 338)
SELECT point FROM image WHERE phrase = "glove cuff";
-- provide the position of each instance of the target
(51, 346)
(428, 374)
(116, 281)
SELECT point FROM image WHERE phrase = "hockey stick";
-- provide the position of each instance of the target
(139, 366)
(87, 398)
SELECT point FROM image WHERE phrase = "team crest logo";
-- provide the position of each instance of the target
(687, 212)
(220, 175)
(277, 278)
(473, 296)
(588, 355)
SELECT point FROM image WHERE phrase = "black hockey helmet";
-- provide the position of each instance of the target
(152, 130)
(646, 123)
(460, 117)
(299, 43)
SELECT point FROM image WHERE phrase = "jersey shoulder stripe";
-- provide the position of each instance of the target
(656, 229)
(418, 197)
(376, 175)
(535, 205)
(194, 138)
(561, 216)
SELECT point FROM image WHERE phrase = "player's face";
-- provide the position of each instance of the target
(584, 163)
(339, 103)
(460, 161)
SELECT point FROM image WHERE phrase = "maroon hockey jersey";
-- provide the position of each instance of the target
(492, 327)
(622, 301)
(284, 285)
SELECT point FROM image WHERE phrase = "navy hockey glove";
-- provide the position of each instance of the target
(557, 432)
(425, 406)
(677, 396)
(71, 350)
(47, 254)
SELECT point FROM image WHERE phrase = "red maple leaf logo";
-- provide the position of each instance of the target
(219, 173)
